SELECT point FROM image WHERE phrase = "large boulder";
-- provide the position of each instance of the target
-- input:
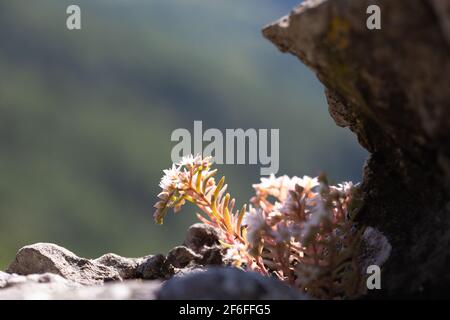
(390, 87)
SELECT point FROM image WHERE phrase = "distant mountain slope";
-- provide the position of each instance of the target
(86, 116)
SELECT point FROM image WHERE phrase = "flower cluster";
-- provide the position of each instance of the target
(193, 180)
(300, 230)
(307, 236)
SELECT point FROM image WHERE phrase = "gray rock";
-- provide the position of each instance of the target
(390, 87)
(54, 287)
(48, 271)
(222, 283)
(179, 273)
(152, 268)
(41, 258)
(199, 236)
(49, 258)
(127, 267)
(12, 279)
(204, 240)
(213, 256)
(35, 286)
(126, 290)
(180, 258)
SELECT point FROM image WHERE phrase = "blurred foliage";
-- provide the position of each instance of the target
(86, 116)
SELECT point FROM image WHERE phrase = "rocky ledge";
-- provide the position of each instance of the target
(390, 87)
(195, 270)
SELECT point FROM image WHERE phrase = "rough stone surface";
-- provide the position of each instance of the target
(151, 268)
(180, 257)
(50, 258)
(126, 267)
(35, 286)
(390, 87)
(222, 283)
(50, 286)
(127, 290)
(201, 236)
(48, 271)
(204, 240)
(51, 272)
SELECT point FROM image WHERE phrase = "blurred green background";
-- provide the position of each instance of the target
(86, 116)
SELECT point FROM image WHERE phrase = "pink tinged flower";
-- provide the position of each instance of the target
(345, 187)
(197, 161)
(254, 218)
(170, 179)
(256, 223)
(312, 225)
(308, 183)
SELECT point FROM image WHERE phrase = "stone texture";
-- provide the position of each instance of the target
(35, 286)
(222, 283)
(180, 257)
(126, 267)
(48, 271)
(49, 258)
(126, 290)
(50, 286)
(200, 236)
(187, 280)
(390, 87)
(204, 240)
(151, 268)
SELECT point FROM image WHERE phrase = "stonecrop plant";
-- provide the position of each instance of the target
(300, 230)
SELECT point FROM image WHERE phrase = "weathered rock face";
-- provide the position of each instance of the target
(201, 249)
(48, 271)
(390, 87)
(50, 258)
